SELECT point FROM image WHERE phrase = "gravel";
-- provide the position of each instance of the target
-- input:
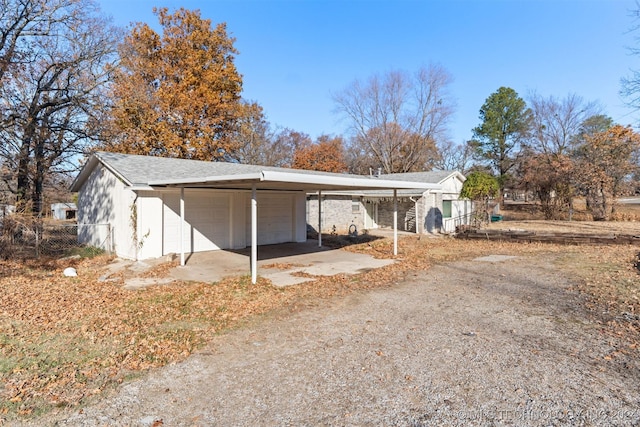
(497, 342)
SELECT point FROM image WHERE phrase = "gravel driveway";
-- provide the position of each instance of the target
(467, 343)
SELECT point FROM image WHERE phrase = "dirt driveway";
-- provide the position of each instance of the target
(499, 341)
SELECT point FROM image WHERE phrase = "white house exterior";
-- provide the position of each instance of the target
(438, 210)
(147, 207)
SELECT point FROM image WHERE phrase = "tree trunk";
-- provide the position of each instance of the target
(23, 175)
(38, 179)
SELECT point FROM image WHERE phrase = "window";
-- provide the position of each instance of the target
(446, 208)
(355, 205)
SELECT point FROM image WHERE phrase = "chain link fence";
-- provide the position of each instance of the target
(27, 237)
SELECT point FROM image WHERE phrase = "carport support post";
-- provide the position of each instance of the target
(182, 226)
(254, 235)
(395, 222)
(319, 218)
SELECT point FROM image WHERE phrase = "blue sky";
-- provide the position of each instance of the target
(295, 54)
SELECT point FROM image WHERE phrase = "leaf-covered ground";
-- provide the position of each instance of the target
(64, 340)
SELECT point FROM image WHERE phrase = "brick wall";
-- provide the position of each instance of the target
(336, 211)
(406, 214)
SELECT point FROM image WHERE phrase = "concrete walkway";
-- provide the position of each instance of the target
(283, 264)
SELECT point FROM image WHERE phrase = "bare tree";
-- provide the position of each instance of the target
(454, 156)
(20, 21)
(397, 119)
(556, 122)
(253, 136)
(631, 84)
(546, 166)
(53, 78)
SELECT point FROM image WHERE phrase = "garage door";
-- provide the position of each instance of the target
(207, 222)
(275, 219)
(208, 219)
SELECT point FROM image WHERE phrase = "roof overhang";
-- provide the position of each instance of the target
(291, 181)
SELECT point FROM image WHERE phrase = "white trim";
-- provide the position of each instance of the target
(208, 179)
(346, 181)
(139, 187)
(302, 178)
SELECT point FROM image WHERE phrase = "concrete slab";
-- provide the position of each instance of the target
(278, 263)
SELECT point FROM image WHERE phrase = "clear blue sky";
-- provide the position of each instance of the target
(294, 55)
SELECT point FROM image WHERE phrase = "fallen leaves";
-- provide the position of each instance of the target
(64, 340)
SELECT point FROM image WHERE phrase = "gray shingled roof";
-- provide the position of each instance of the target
(141, 171)
(433, 177)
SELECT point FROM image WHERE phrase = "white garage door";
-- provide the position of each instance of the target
(208, 219)
(275, 219)
(207, 222)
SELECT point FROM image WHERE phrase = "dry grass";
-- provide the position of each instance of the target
(520, 211)
(528, 216)
(64, 340)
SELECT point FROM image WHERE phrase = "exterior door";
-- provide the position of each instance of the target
(370, 215)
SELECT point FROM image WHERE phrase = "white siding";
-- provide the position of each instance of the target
(102, 200)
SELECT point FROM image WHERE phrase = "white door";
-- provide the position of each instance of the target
(370, 215)
(275, 219)
(208, 218)
(207, 221)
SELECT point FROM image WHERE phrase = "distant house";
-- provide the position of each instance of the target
(147, 207)
(64, 211)
(438, 210)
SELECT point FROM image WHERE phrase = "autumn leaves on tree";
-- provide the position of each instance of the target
(176, 94)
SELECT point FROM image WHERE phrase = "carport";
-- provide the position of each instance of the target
(284, 180)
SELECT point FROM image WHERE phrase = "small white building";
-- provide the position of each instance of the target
(147, 207)
(64, 211)
(436, 210)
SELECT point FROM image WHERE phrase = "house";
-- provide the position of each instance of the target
(63, 211)
(435, 210)
(148, 207)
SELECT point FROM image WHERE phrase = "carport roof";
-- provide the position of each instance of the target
(149, 172)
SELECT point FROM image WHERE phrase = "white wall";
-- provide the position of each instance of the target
(104, 206)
